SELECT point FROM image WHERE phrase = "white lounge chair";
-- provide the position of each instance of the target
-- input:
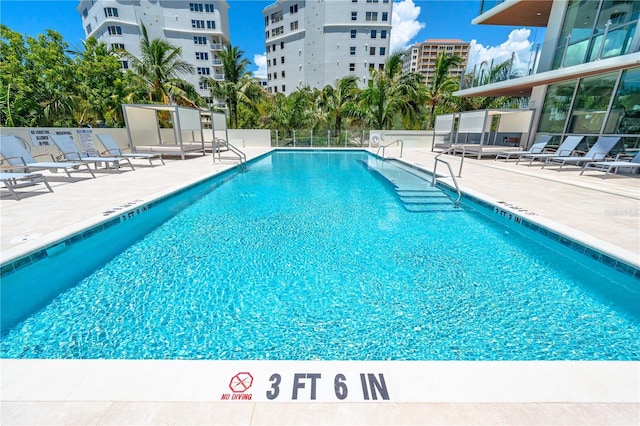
(18, 158)
(597, 152)
(20, 180)
(608, 166)
(566, 148)
(114, 150)
(70, 151)
(537, 148)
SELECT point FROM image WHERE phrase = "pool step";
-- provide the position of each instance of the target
(413, 187)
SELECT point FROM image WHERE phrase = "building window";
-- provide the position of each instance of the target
(204, 85)
(88, 28)
(197, 23)
(372, 67)
(381, 67)
(294, 25)
(282, 74)
(208, 7)
(352, 67)
(85, 12)
(281, 45)
(591, 103)
(371, 16)
(195, 7)
(293, 9)
(385, 16)
(199, 40)
(374, 33)
(202, 56)
(110, 11)
(116, 46)
(275, 75)
(282, 59)
(125, 65)
(211, 25)
(353, 33)
(383, 33)
(275, 89)
(276, 17)
(283, 88)
(623, 117)
(382, 51)
(266, 34)
(372, 51)
(203, 70)
(277, 31)
(114, 30)
(556, 107)
(352, 50)
(354, 16)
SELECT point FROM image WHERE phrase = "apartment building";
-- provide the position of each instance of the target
(422, 57)
(315, 43)
(587, 81)
(199, 28)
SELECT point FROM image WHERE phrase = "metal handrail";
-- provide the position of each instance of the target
(455, 182)
(400, 141)
(217, 143)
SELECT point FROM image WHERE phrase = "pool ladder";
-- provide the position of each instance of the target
(218, 144)
(397, 141)
(453, 176)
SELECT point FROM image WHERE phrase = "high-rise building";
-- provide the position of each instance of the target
(422, 57)
(315, 43)
(200, 29)
(587, 81)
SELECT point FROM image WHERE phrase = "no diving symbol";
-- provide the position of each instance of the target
(241, 382)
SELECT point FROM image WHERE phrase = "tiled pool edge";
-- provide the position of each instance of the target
(544, 227)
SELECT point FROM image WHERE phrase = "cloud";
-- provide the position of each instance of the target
(261, 61)
(405, 24)
(517, 43)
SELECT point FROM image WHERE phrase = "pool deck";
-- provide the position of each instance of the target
(599, 212)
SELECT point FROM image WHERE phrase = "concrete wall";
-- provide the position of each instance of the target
(238, 137)
(410, 138)
(30, 135)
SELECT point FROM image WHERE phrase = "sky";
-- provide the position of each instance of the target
(412, 20)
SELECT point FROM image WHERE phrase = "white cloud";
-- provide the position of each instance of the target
(261, 61)
(405, 24)
(517, 42)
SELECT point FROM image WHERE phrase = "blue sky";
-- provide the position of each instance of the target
(413, 21)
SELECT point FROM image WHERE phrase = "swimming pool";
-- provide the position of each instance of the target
(311, 255)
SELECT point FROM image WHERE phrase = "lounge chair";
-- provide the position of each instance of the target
(19, 180)
(537, 148)
(566, 148)
(114, 150)
(70, 151)
(18, 158)
(608, 166)
(597, 152)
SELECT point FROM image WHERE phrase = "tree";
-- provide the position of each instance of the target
(160, 67)
(340, 102)
(238, 87)
(390, 94)
(36, 80)
(101, 85)
(442, 85)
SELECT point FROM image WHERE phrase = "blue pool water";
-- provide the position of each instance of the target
(312, 256)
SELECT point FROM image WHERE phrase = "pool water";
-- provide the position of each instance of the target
(312, 256)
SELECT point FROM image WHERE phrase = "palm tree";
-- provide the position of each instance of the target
(442, 85)
(340, 102)
(392, 95)
(238, 86)
(160, 68)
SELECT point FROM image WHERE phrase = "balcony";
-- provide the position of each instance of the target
(216, 46)
(531, 13)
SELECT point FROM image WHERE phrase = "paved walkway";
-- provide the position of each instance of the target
(600, 212)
